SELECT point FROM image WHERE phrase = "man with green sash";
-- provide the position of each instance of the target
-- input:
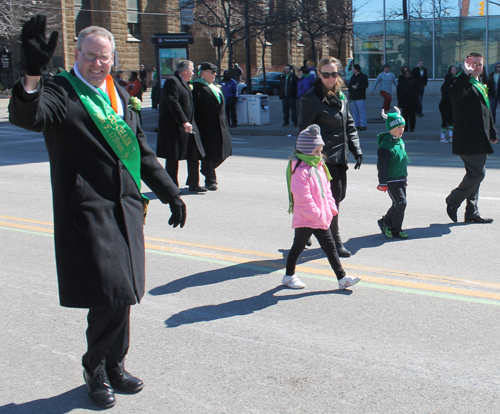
(474, 133)
(98, 157)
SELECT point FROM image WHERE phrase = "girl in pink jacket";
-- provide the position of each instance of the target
(313, 206)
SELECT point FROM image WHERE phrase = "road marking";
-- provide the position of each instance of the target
(410, 282)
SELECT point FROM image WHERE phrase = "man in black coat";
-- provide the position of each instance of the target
(474, 133)
(494, 90)
(210, 117)
(98, 156)
(178, 136)
(420, 75)
(288, 95)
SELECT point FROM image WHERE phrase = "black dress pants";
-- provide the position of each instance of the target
(108, 338)
(325, 239)
(193, 178)
(208, 170)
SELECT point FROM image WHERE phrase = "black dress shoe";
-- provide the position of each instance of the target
(197, 189)
(478, 219)
(452, 212)
(343, 252)
(212, 187)
(124, 382)
(99, 389)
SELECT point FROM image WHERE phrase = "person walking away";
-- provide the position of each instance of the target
(386, 79)
(392, 173)
(445, 106)
(210, 117)
(230, 91)
(312, 205)
(494, 90)
(143, 75)
(237, 73)
(420, 74)
(89, 125)
(288, 95)
(178, 137)
(358, 84)
(408, 91)
(326, 105)
(474, 134)
(134, 88)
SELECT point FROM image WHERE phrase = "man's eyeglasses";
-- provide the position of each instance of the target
(326, 75)
(90, 57)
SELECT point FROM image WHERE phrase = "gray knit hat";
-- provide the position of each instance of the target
(309, 139)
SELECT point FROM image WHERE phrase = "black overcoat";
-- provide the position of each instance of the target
(408, 90)
(336, 123)
(473, 126)
(177, 108)
(98, 212)
(210, 117)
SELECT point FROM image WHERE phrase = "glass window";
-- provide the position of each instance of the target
(472, 36)
(493, 43)
(447, 46)
(133, 21)
(396, 9)
(368, 47)
(367, 11)
(82, 15)
(420, 44)
(446, 8)
(397, 45)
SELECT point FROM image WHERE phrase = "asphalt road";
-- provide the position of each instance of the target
(216, 333)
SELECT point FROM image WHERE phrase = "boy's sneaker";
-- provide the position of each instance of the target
(444, 141)
(386, 231)
(400, 234)
(348, 281)
(293, 282)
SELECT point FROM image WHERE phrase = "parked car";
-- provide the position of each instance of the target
(272, 80)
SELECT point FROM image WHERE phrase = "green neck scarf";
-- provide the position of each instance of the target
(115, 131)
(313, 161)
(483, 90)
(212, 87)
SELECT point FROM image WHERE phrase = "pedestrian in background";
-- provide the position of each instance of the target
(143, 75)
(237, 73)
(288, 96)
(134, 88)
(408, 91)
(210, 117)
(358, 84)
(312, 205)
(474, 133)
(445, 106)
(386, 79)
(326, 105)
(402, 73)
(392, 173)
(154, 89)
(420, 75)
(230, 91)
(178, 137)
(494, 90)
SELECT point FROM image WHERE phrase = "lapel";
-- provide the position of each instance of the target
(127, 113)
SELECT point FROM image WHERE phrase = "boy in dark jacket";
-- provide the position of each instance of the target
(392, 173)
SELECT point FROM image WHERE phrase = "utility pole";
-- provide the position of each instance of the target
(247, 48)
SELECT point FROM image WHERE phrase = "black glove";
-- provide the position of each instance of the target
(359, 161)
(36, 50)
(178, 209)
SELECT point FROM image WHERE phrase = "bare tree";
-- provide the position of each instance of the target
(340, 14)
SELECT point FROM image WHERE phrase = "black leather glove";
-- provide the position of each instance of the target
(36, 50)
(178, 209)
(359, 161)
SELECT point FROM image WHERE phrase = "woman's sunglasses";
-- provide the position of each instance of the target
(326, 75)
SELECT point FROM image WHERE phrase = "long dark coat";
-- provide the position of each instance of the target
(336, 123)
(177, 108)
(210, 117)
(408, 90)
(98, 212)
(473, 128)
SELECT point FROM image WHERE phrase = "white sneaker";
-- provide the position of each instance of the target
(444, 141)
(293, 282)
(450, 140)
(348, 281)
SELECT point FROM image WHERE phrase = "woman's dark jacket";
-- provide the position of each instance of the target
(210, 117)
(445, 88)
(408, 90)
(336, 123)
(177, 108)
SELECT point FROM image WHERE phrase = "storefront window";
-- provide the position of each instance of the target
(368, 47)
(493, 43)
(447, 44)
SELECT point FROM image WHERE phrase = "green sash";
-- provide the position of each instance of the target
(213, 88)
(115, 131)
(481, 88)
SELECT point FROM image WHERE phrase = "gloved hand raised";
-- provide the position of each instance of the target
(179, 214)
(37, 51)
(359, 161)
(382, 188)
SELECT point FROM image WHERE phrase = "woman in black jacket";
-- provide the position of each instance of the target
(408, 90)
(326, 105)
(445, 106)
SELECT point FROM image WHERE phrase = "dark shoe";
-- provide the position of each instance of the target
(212, 187)
(420, 115)
(124, 382)
(197, 189)
(342, 251)
(400, 234)
(478, 219)
(99, 389)
(285, 124)
(362, 128)
(452, 212)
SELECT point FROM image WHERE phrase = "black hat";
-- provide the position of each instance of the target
(208, 66)
(226, 73)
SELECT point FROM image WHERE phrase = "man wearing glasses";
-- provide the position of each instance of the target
(98, 157)
(494, 90)
(474, 133)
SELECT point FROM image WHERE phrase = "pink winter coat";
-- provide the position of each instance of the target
(310, 209)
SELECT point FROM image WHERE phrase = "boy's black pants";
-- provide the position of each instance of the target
(395, 215)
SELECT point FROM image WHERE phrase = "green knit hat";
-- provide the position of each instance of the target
(393, 119)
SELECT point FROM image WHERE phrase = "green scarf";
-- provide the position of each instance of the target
(115, 131)
(313, 161)
(212, 87)
(483, 90)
